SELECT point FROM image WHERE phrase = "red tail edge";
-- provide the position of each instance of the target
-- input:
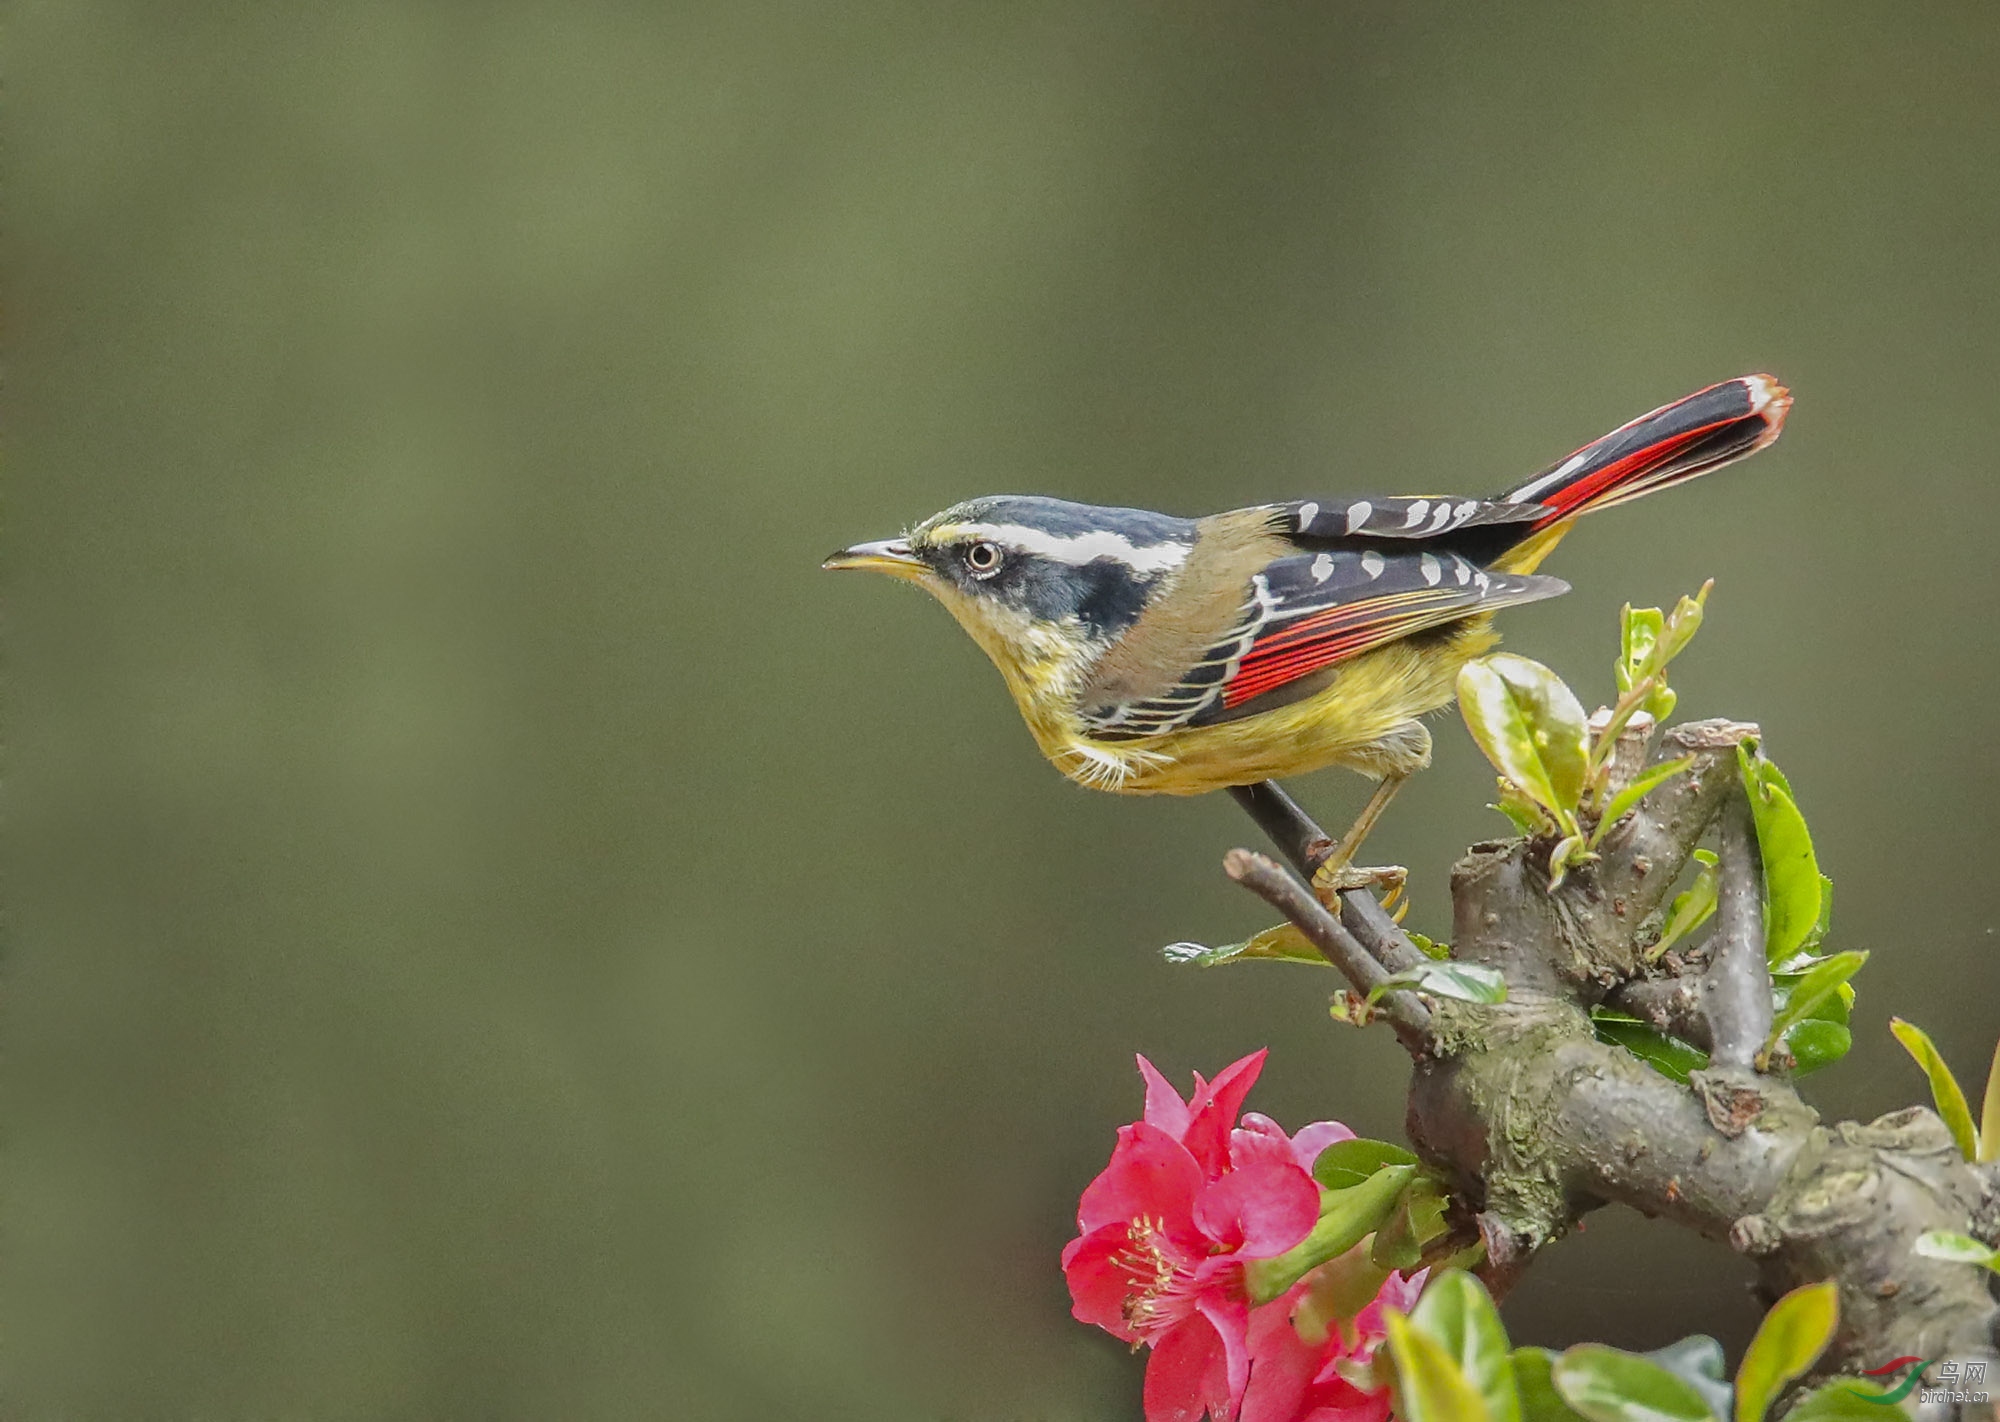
(1671, 445)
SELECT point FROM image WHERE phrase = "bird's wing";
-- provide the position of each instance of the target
(1309, 611)
(1315, 521)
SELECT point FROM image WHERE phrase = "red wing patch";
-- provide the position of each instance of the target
(1365, 601)
(1309, 611)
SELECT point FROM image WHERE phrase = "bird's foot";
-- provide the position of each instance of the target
(1332, 878)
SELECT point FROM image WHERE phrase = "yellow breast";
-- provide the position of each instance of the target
(1364, 719)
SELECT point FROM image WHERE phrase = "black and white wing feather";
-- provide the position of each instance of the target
(1310, 611)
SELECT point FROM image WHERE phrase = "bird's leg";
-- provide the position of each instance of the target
(1338, 871)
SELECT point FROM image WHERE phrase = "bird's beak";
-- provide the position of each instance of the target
(891, 555)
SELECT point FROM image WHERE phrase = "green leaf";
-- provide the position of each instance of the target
(1691, 906)
(1626, 800)
(1456, 1311)
(1429, 947)
(1648, 641)
(1607, 1385)
(1429, 1385)
(1822, 981)
(1669, 1056)
(1989, 1114)
(1682, 623)
(1697, 1360)
(1944, 1086)
(1836, 1006)
(1639, 631)
(1824, 923)
(1336, 1293)
(1793, 1333)
(1528, 817)
(1345, 1164)
(1822, 1038)
(1345, 1216)
(1568, 851)
(1467, 982)
(1533, 729)
(1957, 1248)
(1848, 1400)
(1815, 1043)
(1417, 1220)
(1791, 873)
(1283, 944)
(1540, 1402)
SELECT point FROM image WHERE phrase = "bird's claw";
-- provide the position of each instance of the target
(1332, 879)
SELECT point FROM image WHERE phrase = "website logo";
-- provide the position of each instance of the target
(1887, 1371)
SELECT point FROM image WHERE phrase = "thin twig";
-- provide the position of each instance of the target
(1306, 846)
(1736, 989)
(1303, 843)
(1269, 880)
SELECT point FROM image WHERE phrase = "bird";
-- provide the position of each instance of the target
(1155, 654)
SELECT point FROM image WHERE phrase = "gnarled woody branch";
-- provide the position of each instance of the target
(1539, 1122)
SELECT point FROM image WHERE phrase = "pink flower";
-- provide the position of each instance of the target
(1296, 1380)
(1188, 1198)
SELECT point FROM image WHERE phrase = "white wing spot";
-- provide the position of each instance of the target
(1432, 571)
(1357, 514)
(1481, 581)
(1307, 513)
(1322, 568)
(1417, 512)
(1371, 563)
(1462, 568)
(1437, 520)
(1463, 511)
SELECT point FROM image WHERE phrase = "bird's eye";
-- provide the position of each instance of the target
(983, 558)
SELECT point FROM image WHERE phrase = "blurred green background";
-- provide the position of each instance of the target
(498, 933)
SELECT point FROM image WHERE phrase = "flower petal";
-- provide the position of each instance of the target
(1398, 1292)
(1214, 1107)
(1230, 1315)
(1259, 1138)
(1151, 1176)
(1372, 1407)
(1313, 1139)
(1260, 1209)
(1098, 1284)
(1164, 1107)
(1187, 1375)
(1281, 1365)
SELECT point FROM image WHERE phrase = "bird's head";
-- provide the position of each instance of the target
(1043, 585)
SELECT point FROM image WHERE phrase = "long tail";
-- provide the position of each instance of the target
(1672, 445)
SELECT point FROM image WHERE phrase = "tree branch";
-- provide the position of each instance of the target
(1305, 847)
(1736, 989)
(1410, 1018)
(1538, 1122)
(1668, 1005)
